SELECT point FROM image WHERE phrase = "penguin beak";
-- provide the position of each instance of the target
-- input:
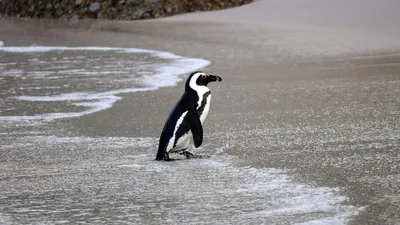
(214, 78)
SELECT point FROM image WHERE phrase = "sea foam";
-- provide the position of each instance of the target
(165, 75)
(215, 190)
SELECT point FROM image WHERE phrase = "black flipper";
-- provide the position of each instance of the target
(195, 126)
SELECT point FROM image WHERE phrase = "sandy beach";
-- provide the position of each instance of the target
(309, 89)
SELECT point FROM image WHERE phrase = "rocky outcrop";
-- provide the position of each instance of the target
(110, 9)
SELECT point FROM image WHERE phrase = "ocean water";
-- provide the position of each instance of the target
(78, 80)
(56, 179)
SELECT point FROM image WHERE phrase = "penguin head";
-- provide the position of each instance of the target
(200, 78)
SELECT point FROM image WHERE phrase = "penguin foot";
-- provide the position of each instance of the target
(169, 160)
(165, 157)
(190, 155)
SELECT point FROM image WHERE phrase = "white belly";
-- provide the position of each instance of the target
(182, 143)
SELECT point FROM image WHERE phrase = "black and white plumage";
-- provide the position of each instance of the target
(187, 117)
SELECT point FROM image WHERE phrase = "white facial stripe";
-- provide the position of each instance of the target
(193, 80)
(201, 90)
(178, 124)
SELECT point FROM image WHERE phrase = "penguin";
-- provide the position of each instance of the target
(186, 119)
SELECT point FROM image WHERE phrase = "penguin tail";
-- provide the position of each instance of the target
(162, 154)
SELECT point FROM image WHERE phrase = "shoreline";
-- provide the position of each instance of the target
(168, 74)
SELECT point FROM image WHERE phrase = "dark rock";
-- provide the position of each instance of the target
(82, 11)
(31, 9)
(94, 7)
(156, 13)
(146, 15)
(154, 4)
(110, 9)
(134, 2)
(174, 6)
(139, 14)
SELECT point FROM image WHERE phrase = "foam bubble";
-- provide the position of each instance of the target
(4, 219)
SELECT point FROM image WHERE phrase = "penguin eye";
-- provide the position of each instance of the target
(204, 75)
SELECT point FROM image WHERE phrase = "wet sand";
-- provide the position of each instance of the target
(322, 102)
